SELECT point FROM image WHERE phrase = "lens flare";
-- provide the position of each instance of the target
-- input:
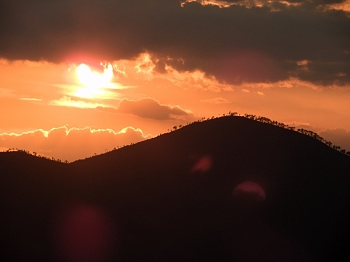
(84, 233)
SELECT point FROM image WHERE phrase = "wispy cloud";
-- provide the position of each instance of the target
(71, 102)
(30, 99)
(216, 100)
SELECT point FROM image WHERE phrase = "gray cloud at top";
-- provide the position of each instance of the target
(235, 44)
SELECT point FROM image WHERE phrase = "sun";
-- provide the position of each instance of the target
(84, 74)
(93, 82)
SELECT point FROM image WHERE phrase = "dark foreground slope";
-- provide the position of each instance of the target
(182, 197)
(30, 189)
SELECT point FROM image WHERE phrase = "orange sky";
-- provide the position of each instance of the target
(41, 111)
(47, 109)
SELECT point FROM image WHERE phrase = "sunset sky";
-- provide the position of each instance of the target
(79, 77)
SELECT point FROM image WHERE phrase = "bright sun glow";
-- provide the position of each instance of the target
(93, 82)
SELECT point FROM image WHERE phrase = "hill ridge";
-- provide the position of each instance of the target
(216, 189)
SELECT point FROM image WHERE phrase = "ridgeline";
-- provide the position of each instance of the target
(226, 189)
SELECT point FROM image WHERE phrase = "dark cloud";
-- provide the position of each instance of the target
(236, 44)
(317, 2)
(149, 108)
(324, 2)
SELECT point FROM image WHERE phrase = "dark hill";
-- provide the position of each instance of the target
(175, 198)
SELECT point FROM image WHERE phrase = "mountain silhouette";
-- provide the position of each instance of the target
(226, 189)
